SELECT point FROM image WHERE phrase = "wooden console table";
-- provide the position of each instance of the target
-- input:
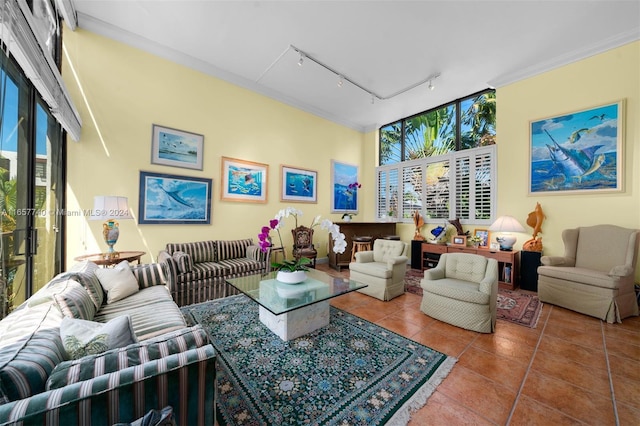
(354, 229)
(508, 261)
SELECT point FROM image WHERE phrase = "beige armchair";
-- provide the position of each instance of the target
(462, 291)
(382, 269)
(595, 275)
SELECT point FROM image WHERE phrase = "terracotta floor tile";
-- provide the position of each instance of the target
(565, 368)
(591, 338)
(624, 367)
(504, 347)
(571, 400)
(441, 410)
(627, 391)
(398, 325)
(368, 313)
(531, 412)
(441, 342)
(518, 333)
(413, 316)
(476, 392)
(453, 331)
(562, 348)
(623, 349)
(497, 368)
(628, 416)
(612, 332)
(560, 317)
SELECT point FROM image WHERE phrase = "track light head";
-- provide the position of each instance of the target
(431, 86)
(341, 81)
(301, 60)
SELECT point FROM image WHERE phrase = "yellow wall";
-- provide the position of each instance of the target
(121, 91)
(594, 81)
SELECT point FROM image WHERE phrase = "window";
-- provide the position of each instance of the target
(462, 124)
(429, 187)
(444, 159)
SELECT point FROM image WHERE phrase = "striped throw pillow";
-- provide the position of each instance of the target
(75, 302)
(184, 261)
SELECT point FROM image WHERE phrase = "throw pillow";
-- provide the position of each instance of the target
(74, 301)
(149, 275)
(184, 261)
(80, 337)
(85, 274)
(119, 282)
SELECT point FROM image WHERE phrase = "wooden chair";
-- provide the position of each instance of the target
(303, 244)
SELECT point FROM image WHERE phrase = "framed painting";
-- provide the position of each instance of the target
(578, 152)
(343, 198)
(177, 148)
(298, 185)
(484, 236)
(172, 199)
(243, 181)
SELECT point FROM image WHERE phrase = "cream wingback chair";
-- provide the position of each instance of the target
(462, 290)
(382, 268)
(595, 275)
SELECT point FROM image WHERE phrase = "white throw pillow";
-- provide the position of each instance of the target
(82, 337)
(118, 282)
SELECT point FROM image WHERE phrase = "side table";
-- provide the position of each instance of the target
(103, 259)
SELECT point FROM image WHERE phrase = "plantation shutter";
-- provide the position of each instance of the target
(462, 188)
(411, 190)
(483, 186)
(387, 197)
(437, 190)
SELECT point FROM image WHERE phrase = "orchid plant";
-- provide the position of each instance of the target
(264, 238)
(351, 189)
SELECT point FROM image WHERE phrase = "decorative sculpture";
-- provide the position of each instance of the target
(419, 222)
(534, 220)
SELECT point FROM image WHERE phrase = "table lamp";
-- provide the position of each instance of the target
(109, 208)
(506, 224)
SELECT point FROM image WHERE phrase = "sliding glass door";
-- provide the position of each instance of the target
(31, 191)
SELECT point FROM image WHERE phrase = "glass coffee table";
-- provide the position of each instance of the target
(293, 310)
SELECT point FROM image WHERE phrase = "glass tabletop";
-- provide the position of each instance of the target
(279, 297)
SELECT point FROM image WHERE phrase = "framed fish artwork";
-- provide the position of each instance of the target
(172, 199)
(578, 152)
(243, 181)
(298, 185)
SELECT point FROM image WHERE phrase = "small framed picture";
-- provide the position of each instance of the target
(484, 236)
(459, 240)
(298, 185)
(177, 148)
(494, 246)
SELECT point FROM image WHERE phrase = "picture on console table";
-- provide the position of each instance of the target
(171, 199)
(578, 152)
(343, 198)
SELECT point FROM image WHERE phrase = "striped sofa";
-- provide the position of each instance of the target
(170, 365)
(196, 271)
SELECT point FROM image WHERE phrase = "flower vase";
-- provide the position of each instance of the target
(289, 277)
(346, 219)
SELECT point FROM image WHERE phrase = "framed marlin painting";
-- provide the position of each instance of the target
(172, 199)
(298, 185)
(578, 152)
(243, 181)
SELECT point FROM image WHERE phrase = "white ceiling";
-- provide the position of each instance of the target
(384, 46)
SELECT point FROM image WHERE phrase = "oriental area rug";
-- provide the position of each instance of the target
(351, 372)
(513, 306)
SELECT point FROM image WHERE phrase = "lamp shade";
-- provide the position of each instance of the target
(110, 207)
(506, 224)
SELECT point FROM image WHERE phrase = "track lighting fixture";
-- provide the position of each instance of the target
(342, 78)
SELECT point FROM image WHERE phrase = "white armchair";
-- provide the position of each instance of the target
(595, 275)
(382, 269)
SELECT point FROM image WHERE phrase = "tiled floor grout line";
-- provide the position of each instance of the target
(526, 373)
(606, 358)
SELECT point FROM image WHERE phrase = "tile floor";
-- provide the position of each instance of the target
(570, 369)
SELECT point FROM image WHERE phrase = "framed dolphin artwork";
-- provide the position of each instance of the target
(578, 152)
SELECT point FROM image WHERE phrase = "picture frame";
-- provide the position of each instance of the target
(343, 199)
(173, 199)
(243, 181)
(176, 148)
(494, 246)
(298, 185)
(578, 152)
(459, 240)
(485, 237)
